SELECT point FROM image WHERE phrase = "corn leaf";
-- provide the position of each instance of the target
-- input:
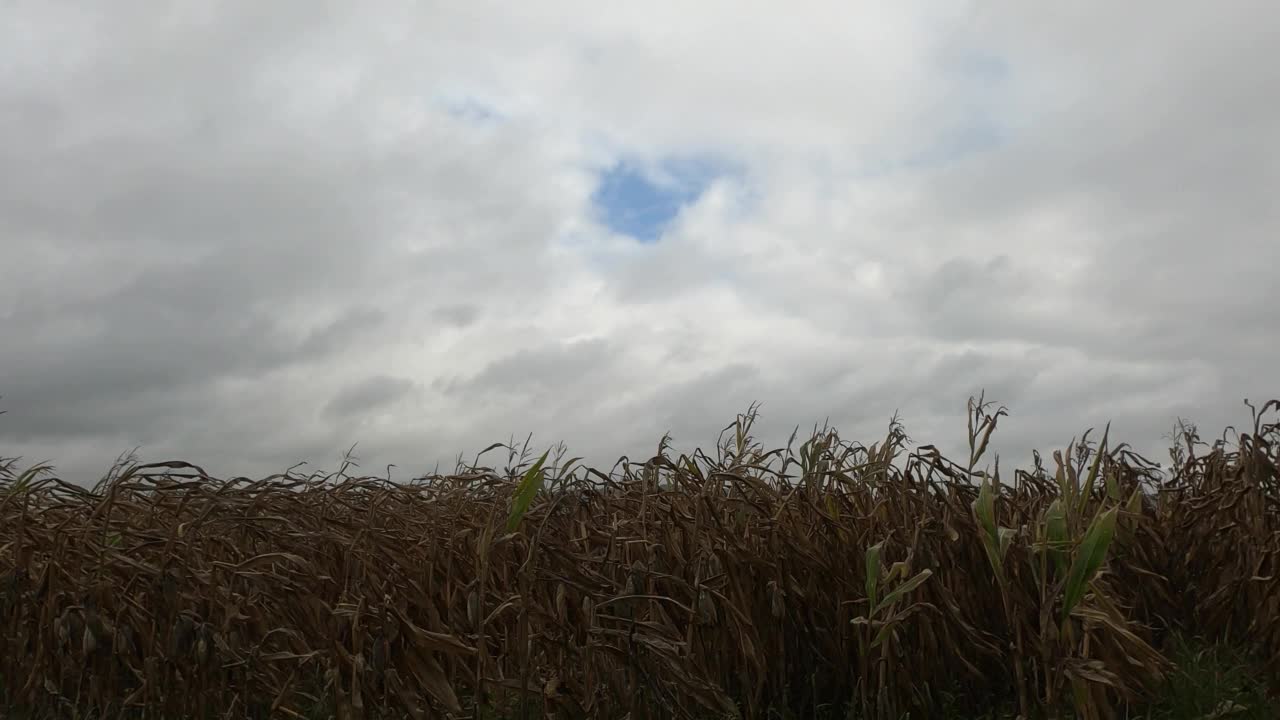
(873, 573)
(907, 586)
(1089, 557)
(993, 540)
(1089, 482)
(1055, 526)
(529, 486)
(985, 509)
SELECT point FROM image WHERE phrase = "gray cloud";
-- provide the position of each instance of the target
(369, 394)
(348, 329)
(550, 368)
(459, 315)
(255, 235)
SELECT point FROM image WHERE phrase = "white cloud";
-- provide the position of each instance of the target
(224, 225)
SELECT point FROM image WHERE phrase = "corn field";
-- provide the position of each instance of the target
(804, 581)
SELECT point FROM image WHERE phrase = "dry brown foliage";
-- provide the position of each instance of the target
(828, 575)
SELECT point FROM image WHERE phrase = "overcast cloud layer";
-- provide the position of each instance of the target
(249, 234)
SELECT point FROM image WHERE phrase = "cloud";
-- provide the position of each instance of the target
(641, 203)
(459, 315)
(552, 366)
(367, 395)
(252, 235)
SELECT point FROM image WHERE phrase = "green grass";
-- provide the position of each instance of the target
(1212, 681)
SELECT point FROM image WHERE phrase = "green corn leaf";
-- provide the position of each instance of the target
(1055, 526)
(985, 509)
(1055, 522)
(1135, 502)
(692, 467)
(993, 557)
(1089, 557)
(1064, 484)
(1089, 482)
(884, 633)
(897, 570)
(1006, 536)
(529, 486)
(1113, 488)
(873, 573)
(907, 586)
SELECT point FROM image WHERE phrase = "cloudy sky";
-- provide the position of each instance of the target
(249, 234)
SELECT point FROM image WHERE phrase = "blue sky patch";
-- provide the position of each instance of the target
(642, 202)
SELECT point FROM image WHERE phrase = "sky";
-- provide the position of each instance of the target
(252, 234)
